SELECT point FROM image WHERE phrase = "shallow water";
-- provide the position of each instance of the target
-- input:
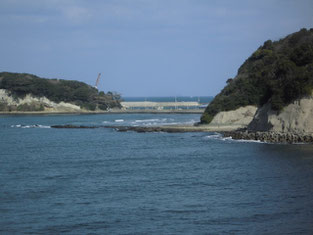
(100, 181)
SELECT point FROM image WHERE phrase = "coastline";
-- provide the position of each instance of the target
(113, 111)
(237, 132)
(271, 136)
(227, 131)
(175, 128)
(161, 128)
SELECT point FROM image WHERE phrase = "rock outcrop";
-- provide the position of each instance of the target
(12, 103)
(297, 117)
(277, 73)
(240, 117)
(294, 124)
(23, 92)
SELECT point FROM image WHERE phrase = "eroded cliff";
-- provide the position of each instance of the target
(297, 117)
(30, 103)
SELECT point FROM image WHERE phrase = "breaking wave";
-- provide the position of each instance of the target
(230, 139)
(149, 122)
(30, 126)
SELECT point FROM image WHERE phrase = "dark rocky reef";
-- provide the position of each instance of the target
(269, 137)
(73, 127)
(139, 129)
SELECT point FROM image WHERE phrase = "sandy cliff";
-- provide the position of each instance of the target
(238, 118)
(13, 103)
(297, 117)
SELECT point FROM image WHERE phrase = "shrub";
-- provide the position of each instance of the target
(57, 90)
(278, 73)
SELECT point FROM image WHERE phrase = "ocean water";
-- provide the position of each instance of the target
(99, 181)
(200, 99)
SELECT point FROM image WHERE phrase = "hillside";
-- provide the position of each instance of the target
(15, 87)
(277, 73)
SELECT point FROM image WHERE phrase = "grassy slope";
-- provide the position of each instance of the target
(278, 72)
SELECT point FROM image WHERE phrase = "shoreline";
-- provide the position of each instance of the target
(271, 136)
(160, 128)
(227, 131)
(163, 128)
(236, 132)
(116, 111)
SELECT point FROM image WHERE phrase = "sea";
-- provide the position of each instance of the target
(101, 181)
(200, 99)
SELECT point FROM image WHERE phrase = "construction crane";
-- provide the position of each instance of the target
(97, 81)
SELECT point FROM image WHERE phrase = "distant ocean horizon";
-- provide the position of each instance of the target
(200, 99)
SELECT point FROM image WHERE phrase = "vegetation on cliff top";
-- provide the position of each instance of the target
(278, 72)
(57, 90)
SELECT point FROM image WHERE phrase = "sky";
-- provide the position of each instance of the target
(143, 47)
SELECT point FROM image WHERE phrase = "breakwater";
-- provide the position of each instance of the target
(271, 137)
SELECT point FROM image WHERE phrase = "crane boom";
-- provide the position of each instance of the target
(97, 81)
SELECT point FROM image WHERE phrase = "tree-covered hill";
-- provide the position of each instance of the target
(57, 90)
(278, 72)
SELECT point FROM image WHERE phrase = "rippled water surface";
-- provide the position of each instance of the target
(99, 181)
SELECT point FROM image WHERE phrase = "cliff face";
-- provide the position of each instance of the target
(277, 73)
(239, 118)
(27, 92)
(297, 117)
(31, 103)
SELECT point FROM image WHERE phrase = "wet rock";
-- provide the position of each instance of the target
(271, 137)
(73, 127)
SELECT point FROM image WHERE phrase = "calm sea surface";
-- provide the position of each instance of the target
(200, 99)
(99, 181)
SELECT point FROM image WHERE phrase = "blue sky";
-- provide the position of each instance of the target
(143, 47)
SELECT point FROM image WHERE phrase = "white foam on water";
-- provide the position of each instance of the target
(214, 136)
(148, 120)
(243, 140)
(30, 126)
(250, 141)
(230, 139)
(42, 126)
(172, 123)
(226, 138)
(163, 121)
(151, 122)
(192, 121)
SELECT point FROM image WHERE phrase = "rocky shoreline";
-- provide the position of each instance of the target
(113, 111)
(164, 128)
(271, 137)
(268, 137)
(139, 129)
